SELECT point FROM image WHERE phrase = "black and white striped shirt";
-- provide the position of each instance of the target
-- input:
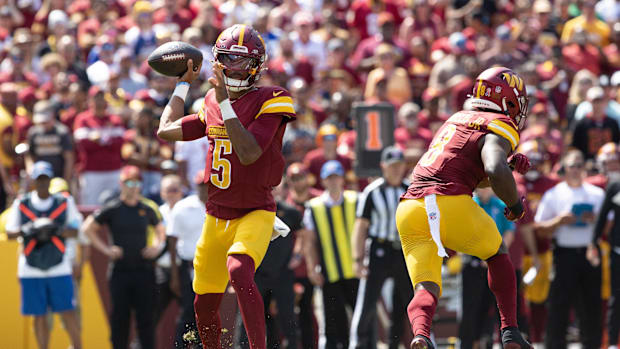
(378, 204)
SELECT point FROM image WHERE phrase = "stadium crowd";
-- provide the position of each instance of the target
(79, 102)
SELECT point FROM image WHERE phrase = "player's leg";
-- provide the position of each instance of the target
(423, 265)
(210, 278)
(465, 227)
(251, 239)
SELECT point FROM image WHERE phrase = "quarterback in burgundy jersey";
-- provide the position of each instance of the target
(244, 125)
(471, 149)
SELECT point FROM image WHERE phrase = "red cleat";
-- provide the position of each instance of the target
(421, 342)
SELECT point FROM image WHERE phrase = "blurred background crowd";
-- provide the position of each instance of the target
(76, 92)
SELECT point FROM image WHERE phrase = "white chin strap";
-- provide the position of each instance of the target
(236, 85)
(478, 103)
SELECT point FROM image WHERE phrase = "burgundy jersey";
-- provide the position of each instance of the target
(235, 189)
(533, 192)
(452, 164)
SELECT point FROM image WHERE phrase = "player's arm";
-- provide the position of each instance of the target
(170, 123)
(494, 153)
(246, 147)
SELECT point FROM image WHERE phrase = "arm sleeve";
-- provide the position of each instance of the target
(192, 127)
(264, 129)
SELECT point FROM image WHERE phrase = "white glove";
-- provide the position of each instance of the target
(279, 229)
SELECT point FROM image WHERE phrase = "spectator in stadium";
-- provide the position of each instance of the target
(141, 36)
(596, 128)
(98, 139)
(377, 253)
(132, 251)
(567, 212)
(66, 46)
(476, 327)
(363, 57)
(409, 134)
(275, 278)
(398, 86)
(327, 142)
(451, 65)
(50, 141)
(328, 253)
(44, 220)
(596, 30)
(142, 148)
(183, 229)
(577, 94)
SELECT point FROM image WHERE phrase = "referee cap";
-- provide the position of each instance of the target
(392, 154)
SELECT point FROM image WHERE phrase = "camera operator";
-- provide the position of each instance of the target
(43, 221)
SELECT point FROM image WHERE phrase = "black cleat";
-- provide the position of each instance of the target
(512, 339)
(421, 342)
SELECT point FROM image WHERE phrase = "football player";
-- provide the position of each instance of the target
(244, 124)
(471, 149)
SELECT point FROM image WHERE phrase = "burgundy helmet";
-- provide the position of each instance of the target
(240, 48)
(500, 90)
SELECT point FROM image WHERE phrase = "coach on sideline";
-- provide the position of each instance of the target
(132, 278)
(377, 253)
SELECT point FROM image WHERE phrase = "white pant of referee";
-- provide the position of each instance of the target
(385, 260)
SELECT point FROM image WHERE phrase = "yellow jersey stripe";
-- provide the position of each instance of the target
(240, 43)
(329, 258)
(283, 99)
(282, 104)
(342, 241)
(350, 202)
(277, 110)
(505, 130)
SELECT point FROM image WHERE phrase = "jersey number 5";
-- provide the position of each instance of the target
(438, 144)
(222, 147)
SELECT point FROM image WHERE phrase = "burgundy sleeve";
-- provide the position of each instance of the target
(265, 128)
(192, 127)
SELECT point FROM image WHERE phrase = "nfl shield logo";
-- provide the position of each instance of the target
(432, 216)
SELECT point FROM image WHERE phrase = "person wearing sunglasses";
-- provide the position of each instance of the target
(566, 213)
(132, 250)
(245, 125)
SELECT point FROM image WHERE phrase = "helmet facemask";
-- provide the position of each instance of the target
(239, 63)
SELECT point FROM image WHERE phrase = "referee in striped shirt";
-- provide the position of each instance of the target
(377, 252)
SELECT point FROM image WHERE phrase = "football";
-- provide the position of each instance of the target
(171, 58)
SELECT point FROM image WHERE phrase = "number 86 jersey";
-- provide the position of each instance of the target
(236, 189)
(452, 165)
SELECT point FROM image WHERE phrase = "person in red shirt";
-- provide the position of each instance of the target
(174, 12)
(537, 253)
(363, 57)
(245, 125)
(410, 134)
(365, 14)
(98, 140)
(327, 143)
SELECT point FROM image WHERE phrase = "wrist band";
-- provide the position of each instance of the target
(227, 110)
(181, 90)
